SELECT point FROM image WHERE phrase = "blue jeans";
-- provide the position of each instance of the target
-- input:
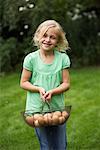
(52, 137)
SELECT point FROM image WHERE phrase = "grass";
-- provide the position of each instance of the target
(82, 127)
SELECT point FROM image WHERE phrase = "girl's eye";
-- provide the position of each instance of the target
(53, 37)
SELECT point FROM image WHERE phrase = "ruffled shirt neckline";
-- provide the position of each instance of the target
(48, 64)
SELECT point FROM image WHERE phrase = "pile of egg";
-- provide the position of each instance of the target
(53, 118)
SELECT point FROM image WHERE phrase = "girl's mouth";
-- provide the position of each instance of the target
(47, 44)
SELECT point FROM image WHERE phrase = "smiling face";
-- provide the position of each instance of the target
(49, 39)
(42, 33)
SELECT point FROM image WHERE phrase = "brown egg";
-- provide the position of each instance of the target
(30, 120)
(45, 115)
(50, 119)
(36, 116)
(55, 119)
(49, 115)
(65, 114)
(41, 120)
(45, 119)
(36, 123)
(58, 113)
(61, 119)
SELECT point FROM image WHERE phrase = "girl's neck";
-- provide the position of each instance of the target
(47, 56)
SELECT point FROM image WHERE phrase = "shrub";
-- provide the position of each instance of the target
(8, 54)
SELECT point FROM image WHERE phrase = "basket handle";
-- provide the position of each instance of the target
(48, 104)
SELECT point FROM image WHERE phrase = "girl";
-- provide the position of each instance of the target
(45, 76)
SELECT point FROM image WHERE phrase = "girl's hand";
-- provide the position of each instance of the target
(42, 93)
(48, 95)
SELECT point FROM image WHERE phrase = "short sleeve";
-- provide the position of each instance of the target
(66, 61)
(27, 64)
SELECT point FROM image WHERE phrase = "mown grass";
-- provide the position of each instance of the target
(83, 126)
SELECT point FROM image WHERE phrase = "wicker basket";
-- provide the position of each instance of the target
(51, 118)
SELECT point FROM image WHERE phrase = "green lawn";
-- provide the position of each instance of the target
(83, 127)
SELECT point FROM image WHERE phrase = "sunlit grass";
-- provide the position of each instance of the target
(84, 96)
(82, 127)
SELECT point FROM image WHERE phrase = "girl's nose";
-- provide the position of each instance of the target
(48, 39)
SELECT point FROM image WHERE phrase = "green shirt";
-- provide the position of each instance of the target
(48, 76)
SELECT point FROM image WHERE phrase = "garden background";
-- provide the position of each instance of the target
(80, 20)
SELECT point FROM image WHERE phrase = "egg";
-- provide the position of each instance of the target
(61, 119)
(58, 113)
(41, 120)
(50, 119)
(36, 123)
(49, 115)
(30, 120)
(45, 119)
(65, 114)
(36, 116)
(55, 119)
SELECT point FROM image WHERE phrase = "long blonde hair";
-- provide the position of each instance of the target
(62, 43)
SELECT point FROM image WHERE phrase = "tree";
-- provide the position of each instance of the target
(80, 21)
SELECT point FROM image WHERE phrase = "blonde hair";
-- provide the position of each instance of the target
(62, 43)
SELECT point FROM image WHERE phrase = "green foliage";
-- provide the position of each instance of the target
(79, 19)
(85, 42)
(8, 54)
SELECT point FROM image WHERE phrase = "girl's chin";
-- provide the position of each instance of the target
(46, 48)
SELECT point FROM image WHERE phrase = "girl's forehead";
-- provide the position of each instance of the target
(51, 29)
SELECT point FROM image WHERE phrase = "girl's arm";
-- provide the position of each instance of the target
(27, 85)
(64, 86)
(24, 82)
